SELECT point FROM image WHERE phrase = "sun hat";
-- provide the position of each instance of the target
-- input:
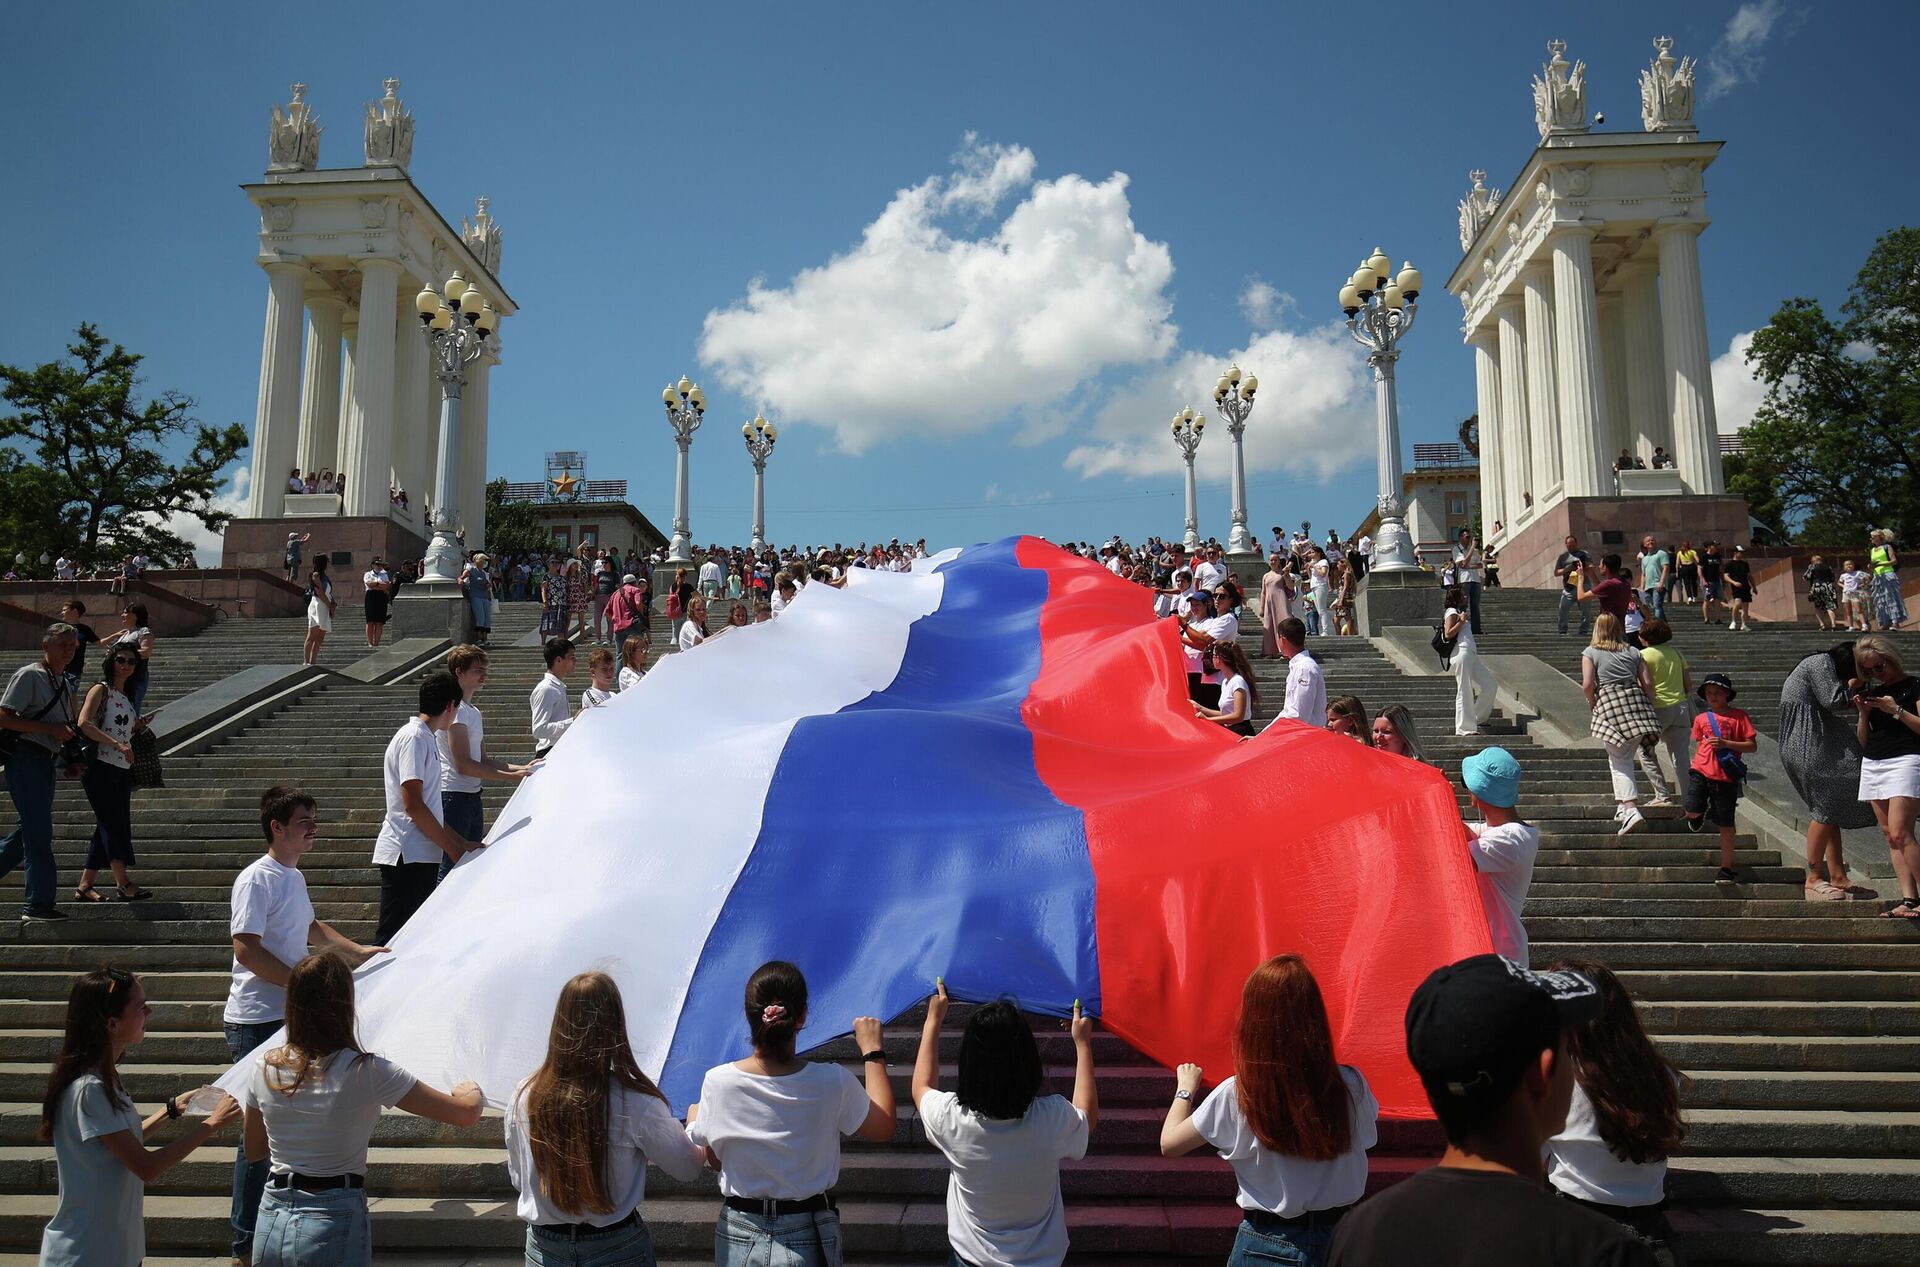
(1492, 775)
(1720, 680)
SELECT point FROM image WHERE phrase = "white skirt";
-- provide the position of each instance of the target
(318, 617)
(1890, 777)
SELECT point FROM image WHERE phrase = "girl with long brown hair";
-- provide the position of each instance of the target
(1624, 1120)
(1238, 694)
(1294, 1123)
(312, 1105)
(97, 1134)
(581, 1131)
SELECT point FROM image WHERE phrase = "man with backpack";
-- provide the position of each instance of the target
(36, 714)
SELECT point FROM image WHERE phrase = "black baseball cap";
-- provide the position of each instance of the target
(1474, 1026)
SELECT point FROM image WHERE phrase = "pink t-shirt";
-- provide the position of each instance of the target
(1734, 725)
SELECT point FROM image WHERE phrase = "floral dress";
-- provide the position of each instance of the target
(553, 617)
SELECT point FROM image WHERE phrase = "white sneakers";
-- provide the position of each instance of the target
(1631, 820)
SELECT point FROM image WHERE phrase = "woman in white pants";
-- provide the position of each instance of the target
(1474, 683)
(1619, 689)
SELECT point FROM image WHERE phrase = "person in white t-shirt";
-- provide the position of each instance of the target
(633, 662)
(784, 592)
(311, 1107)
(774, 1125)
(271, 927)
(1475, 687)
(602, 684)
(1624, 1120)
(464, 763)
(1503, 846)
(1004, 1140)
(693, 630)
(581, 1130)
(412, 835)
(1207, 626)
(1238, 695)
(1293, 1122)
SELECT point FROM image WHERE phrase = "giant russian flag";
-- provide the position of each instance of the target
(985, 770)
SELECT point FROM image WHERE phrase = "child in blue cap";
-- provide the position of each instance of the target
(1504, 846)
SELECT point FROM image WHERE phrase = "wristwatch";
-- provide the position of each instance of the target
(875, 1057)
(1183, 1094)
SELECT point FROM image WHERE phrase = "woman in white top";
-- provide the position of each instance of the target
(97, 1134)
(633, 661)
(773, 1124)
(1004, 1140)
(378, 586)
(137, 634)
(580, 1132)
(1294, 1124)
(693, 630)
(107, 717)
(312, 1106)
(1320, 584)
(1624, 1120)
(320, 607)
(1474, 684)
(1238, 694)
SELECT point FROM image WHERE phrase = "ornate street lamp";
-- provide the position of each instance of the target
(1380, 310)
(1233, 397)
(457, 321)
(1187, 427)
(760, 435)
(686, 406)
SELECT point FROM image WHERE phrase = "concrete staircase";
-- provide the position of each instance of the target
(1799, 1023)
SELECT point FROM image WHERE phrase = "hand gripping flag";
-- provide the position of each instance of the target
(985, 770)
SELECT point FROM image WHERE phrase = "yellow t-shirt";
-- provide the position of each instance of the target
(1882, 560)
(1686, 558)
(1669, 670)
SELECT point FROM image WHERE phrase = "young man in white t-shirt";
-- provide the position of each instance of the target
(412, 835)
(464, 763)
(272, 926)
(1504, 847)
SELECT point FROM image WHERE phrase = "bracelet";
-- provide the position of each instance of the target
(872, 1057)
(173, 1108)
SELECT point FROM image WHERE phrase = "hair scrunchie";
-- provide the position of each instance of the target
(773, 1014)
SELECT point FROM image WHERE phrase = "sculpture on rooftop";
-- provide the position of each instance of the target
(1476, 209)
(482, 235)
(1666, 91)
(389, 131)
(1560, 94)
(293, 138)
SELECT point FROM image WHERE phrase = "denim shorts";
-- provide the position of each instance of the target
(788, 1240)
(629, 1246)
(304, 1229)
(1302, 1246)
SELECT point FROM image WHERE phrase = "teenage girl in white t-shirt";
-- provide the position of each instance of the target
(774, 1125)
(1293, 1122)
(1238, 695)
(312, 1105)
(1004, 1140)
(1624, 1120)
(581, 1131)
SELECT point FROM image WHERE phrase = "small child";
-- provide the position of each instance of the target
(1718, 733)
(1503, 846)
(1852, 597)
(1635, 620)
(603, 666)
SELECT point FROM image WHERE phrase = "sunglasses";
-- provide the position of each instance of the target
(124, 659)
(117, 977)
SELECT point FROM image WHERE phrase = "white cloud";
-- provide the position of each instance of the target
(1736, 59)
(205, 542)
(1737, 393)
(922, 326)
(1313, 413)
(1263, 304)
(993, 491)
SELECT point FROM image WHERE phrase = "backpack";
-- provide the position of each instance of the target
(673, 605)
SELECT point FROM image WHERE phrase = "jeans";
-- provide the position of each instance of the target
(790, 1240)
(30, 782)
(630, 1246)
(1654, 601)
(313, 1229)
(464, 815)
(109, 791)
(249, 1178)
(137, 688)
(1304, 1245)
(482, 605)
(1473, 605)
(1568, 600)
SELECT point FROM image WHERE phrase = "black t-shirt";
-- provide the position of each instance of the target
(1709, 567)
(1739, 573)
(606, 581)
(1478, 1218)
(1570, 559)
(1887, 737)
(78, 667)
(1820, 574)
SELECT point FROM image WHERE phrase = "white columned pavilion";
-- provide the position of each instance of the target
(320, 384)
(1583, 307)
(276, 438)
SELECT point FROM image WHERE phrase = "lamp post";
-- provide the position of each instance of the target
(1187, 427)
(1380, 310)
(760, 435)
(1233, 397)
(457, 321)
(686, 406)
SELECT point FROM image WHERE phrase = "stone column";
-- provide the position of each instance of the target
(414, 439)
(367, 448)
(1646, 377)
(1543, 406)
(276, 419)
(349, 336)
(1516, 455)
(1613, 359)
(320, 386)
(1683, 321)
(473, 449)
(1578, 373)
(1486, 381)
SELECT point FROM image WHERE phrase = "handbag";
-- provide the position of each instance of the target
(10, 739)
(1443, 644)
(146, 760)
(1730, 763)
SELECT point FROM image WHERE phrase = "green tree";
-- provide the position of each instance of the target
(1838, 436)
(83, 466)
(513, 528)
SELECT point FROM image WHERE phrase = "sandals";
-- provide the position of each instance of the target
(136, 894)
(1902, 910)
(87, 893)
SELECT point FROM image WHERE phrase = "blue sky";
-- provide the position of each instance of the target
(899, 230)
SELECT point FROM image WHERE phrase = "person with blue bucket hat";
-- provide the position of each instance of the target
(1504, 846)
